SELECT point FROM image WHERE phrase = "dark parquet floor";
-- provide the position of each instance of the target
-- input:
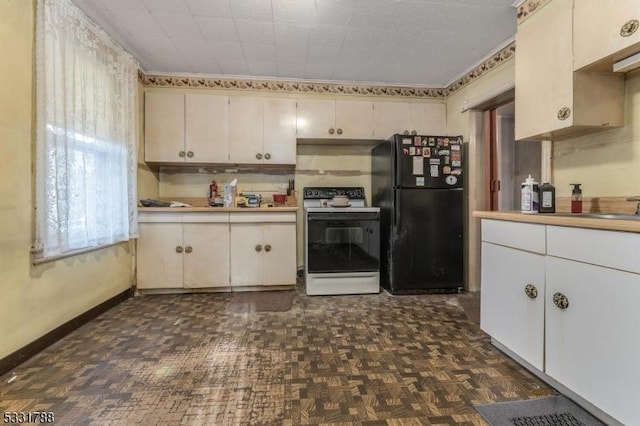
(351, 360)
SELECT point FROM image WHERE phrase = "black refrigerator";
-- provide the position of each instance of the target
(417, 182)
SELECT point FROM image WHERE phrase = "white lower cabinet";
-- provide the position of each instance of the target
(513, 287)
(263, 249)
(177, 250)
(590, 284)
(593, 345)
(159, 260)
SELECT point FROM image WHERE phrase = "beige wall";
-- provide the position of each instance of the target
(606, 163)
(493, 83)
(37, 299)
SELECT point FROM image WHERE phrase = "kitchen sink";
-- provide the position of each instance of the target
(617, 216)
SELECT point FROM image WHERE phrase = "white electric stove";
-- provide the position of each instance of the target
(342, 243)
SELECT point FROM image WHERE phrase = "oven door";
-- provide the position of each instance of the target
(343, 242)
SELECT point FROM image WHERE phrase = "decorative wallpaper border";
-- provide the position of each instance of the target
(528, 8)
(308, 87)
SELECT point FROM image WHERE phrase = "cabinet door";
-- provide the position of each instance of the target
(247, 254)
(592, 346)
(507, 313)
(159, 263)
(245, 130)
(598, 30)
(544, 70)
(428, 118)
(316, 118)
(206, 255)
(279, 131)
(390, 118)
(354, 119)
(207, 128)
(164, 127)
(280, 253)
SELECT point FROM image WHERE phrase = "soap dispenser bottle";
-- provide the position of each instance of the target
(576, 198)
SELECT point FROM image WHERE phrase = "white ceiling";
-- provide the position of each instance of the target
(408, 42)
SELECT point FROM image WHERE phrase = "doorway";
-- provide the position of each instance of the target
(507, 162)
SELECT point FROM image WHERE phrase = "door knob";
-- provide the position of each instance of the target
(331, 131)
(258, 248)
(629, 28)
(267, 247)
(188, 249)
(179, 249)
(259, 156)
(339, 131)
(267, 156)
(413, 132)
(181, 154)
(406, 133)
(190, 154)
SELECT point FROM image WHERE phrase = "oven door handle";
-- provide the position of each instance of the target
(334, 216)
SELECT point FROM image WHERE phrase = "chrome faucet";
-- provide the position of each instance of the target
(638, 200)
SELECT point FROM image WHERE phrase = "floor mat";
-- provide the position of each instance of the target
(557, 410)
(264, 301)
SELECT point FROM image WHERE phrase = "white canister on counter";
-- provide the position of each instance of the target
(529, 196)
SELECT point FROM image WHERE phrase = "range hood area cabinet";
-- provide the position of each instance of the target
(214, 129)
(408, 118)
(605, 31)
(552, 101)
(334, 119)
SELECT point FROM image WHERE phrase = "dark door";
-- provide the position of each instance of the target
(426, 241)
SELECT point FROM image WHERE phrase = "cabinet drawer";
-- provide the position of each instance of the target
(263, 217)
(618, 250)
(523, 236)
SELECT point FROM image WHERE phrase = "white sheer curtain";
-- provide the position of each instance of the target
(86, 134)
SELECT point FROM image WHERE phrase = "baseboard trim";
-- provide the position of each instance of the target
(21, 355)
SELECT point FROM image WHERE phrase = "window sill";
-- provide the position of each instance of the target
(37, 258)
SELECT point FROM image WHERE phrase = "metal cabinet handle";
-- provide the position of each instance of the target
(188, 249)
(258, 248)
(561, 301)
(190, 154)
(564, 113)
(331, 131)
(531, 291)
(267, 247)
(339, 131)
(406, 133)
(413, 132)
(629, 28)
(181, 154)
(267, 156)
(259, 156)
(179, 249)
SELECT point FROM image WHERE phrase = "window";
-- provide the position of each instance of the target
(86, 134)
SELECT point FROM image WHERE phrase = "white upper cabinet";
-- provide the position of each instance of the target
(605, 29)
(551, 101)
(185, 128)
(279, 131)
(407, 118)
(207, 128)
(334, 119)
(245, 130)
(262, 130)
(164, 127)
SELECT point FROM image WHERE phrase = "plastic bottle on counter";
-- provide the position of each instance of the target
(529, 196)
(547, 198)
(576, 198)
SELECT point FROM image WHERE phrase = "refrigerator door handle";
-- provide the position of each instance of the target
(396, 208)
